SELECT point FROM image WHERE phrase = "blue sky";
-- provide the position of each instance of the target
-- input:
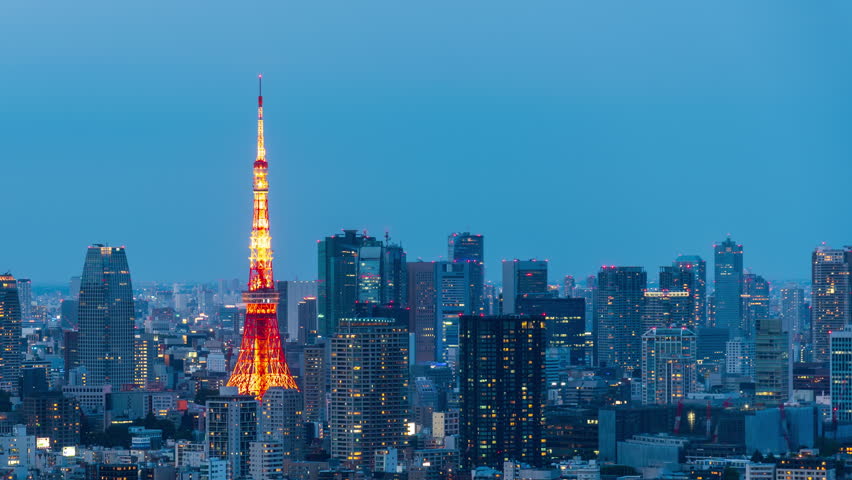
(586, 132)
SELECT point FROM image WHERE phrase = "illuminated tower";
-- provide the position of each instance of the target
(261, 363)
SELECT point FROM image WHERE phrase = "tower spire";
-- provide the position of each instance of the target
(261, 363)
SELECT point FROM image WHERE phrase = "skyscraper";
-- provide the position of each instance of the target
(772, 368)
(25, 292)
(728, 280)
(11, 353)
(664, 308)
(307, 315)
(466, 247)
(668, 365)
(565, 324)
(231, 427)
(106, 317)
(280, 420)
(315, 382)
(453, 297)
(619, 300)
(523, 277)
(502, 390)
(792, 310)
(755, 303)
(422, 310)
(841, 374)
(698, 289)
(369, 389)
(831, 304)
(261, 363)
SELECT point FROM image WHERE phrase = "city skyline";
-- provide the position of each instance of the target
(586, 111)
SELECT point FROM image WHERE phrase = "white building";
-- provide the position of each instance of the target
(18, 451)
(266, 460)
(739, 357)
(669, 362)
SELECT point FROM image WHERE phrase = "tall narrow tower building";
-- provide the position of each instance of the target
(261, 363)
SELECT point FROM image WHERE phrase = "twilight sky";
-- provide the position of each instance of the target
(586, 132)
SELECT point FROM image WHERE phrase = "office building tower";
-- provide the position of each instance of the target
(315, 382)
(292, 292)
(502, 390)
(523, 278)
(280, 420)
(106, 317)
(422, 311)
(664, 308)
(70, 351)
(831, 302)
(338, 288)
(793, 314)
(841, 374)
(755, 303)
(772, 368)
(695, 265)
(261, 363)
(25, 294)
(712, 347)
(54, 416)
(394, 275)
(565, 324)
(739, 357)
(466, 247)
(369, 389)
(11, 346)
(568, 286)
(146, 349)
(231, 426)
(669, 365)
(728, 281)
(307, 314)
(619, 298)
(453, 298)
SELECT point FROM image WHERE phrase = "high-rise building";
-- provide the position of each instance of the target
(669, 364)
(422, 298)
(261, 363)
(106, 317)
(739, 357)
(266, 460)
(568, 286)
(728, 280)
(619, 298)
(231, 427)
(280, 420)
(315, 382)
(793, 313)
(565, 324)
(831, 303)
(841, 374)
(11, 351)
(772, 367)
(697, 288)
(664, 308)
(466, 247)
(54, 416)
(523, 278)
(453, 298)
(70, 351)
(755, 303)
(307, 313)
(25, 292)
(502, 390)
(369, 389)
(145, 352)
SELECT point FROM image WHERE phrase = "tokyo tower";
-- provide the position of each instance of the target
(261, 364)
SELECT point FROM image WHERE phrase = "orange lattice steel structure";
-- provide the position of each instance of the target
(261, 363)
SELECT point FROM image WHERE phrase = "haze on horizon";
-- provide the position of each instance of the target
(587, 133)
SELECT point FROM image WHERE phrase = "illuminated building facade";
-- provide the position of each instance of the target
(502, 390)
(261, 363)
(422, 294)
(772, 368)
(453, 297)
(664, 308)
(685, 266)
(106, 317)
(523, 278)
(755, 303)
(280, 420)
(369, 389)
(565, 324)
(11, 352)
(728, 278)
(669, 361)
(25, 293)
(841, 374)
(831, 297)
(231, 428)
(619, 299)
(470, 248)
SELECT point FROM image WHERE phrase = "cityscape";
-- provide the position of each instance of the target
(388, 362)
